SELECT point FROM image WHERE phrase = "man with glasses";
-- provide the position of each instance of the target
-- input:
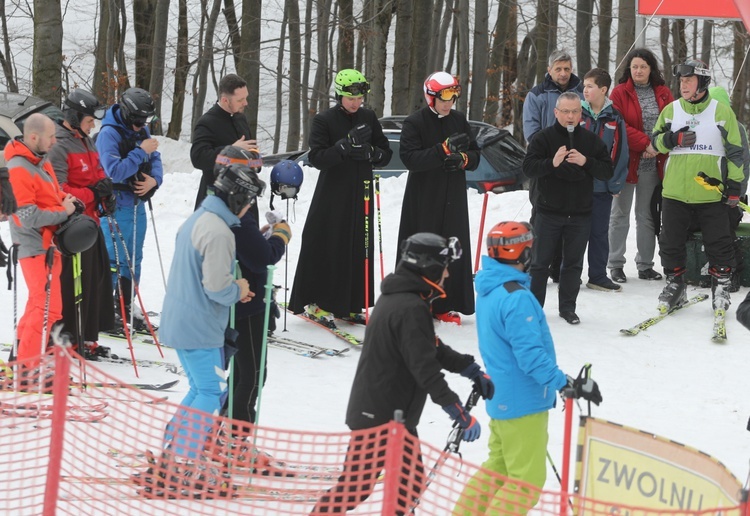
(562, 162)
(129, 157)
(438, 146)
(346, 141)
(224, 124)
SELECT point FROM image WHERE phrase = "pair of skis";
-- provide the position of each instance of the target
(303, 348)
(719, 326)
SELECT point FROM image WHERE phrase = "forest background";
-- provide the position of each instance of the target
(290, 50)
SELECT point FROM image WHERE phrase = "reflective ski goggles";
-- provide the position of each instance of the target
(450, 93)
(99, 113)
(287, 191)
(357, 89)
(454, 249)
(685, 70)
(140, 121)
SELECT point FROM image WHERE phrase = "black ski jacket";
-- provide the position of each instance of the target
(402, 358)
(215, 130)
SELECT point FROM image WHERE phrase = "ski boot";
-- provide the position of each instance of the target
(721, 279)
(674, 292)
(93, 351)
(319, 315)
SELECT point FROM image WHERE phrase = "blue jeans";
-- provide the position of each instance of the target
(549, 229)
(599, 237)
(188, 431)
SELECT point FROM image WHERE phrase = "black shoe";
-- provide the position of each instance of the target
(606, 285)
(618, 275)
(570, 317)
(649, 274)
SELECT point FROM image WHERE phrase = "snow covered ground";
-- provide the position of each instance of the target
(670, 380)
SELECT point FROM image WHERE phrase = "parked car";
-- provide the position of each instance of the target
(500, 169)
(15, 108)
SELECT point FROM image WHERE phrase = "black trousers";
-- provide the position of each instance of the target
(247, 366)
(712, 220)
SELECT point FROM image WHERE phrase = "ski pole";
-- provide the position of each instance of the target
(158, 248)
(264, 347)
(286, 271)
(380, 225)
(134, 287)
(111, 221)
(557, 474)
(14, 259)
(77, 299)
(135, 251)
(711, 183)
(232, 311)
(481, 232)
(49, 261)
(367, 250)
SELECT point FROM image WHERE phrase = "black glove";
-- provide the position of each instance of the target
(377, 155)
(3, 253)
(360, 134)
(101, 189)
(361, 152)
(8, 204)
(682, 138)
(343, 146)
(80, 207)
(109, 205)
(586, 388)
(458, 142)
(482, 380)
(454, 162)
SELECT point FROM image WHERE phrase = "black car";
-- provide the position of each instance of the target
(500, 169)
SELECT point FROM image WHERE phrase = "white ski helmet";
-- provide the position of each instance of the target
(441, 85)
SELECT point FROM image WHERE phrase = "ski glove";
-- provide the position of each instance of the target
(469, 423)
(102, 189)
(361, 152)
(283, 231)
(360, 134)
(482, 380)
(681, 138)
(109, 205)
(80, 207)
(585, 388)
(458, 142)
(377, 155)
(8, 204)
(732, 192)
(455, 162)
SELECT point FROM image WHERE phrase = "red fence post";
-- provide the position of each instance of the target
(57, 431)
(565, 482)
(394, 449)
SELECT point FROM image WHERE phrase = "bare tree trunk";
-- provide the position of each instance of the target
(112, 12)
(605, 33)
(307, 106)
(143, 25)
(48, 34)
(541, 40)
(679, 51)
(249, 65)
(510, 68)
(377, 47)
(123, 80)
(463, 52)
(584, 18)
(279, 85)
(498, 66)
(204, 60)
(708, 29)
(435, 41)
(526, 76)
(181, 70)
(625, 28)
(481, 59)
(740, 93)
(230, 14)
(554, 8)
(418, 70)
(665, 55)
(6, 60)
(158, 60)
(319, 97)
(400, 99)
(345, 50)
(295, 62)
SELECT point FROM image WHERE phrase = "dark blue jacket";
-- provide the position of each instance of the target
(610, 127)
(539, 105)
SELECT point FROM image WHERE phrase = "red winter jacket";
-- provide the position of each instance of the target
(625, 99)
(76, 163)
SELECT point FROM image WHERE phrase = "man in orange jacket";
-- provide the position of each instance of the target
(42, 207)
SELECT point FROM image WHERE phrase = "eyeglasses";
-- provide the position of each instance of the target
(569, 111)
(450, 93)
(357, 89)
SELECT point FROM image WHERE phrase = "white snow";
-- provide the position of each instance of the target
(670, 380)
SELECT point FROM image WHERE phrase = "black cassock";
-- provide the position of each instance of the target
(435, 200)
(331, 265)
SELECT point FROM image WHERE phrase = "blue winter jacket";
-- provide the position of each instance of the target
(539, 105)
(201, 285)
(120, 169)
(515, 343)
(610, 127)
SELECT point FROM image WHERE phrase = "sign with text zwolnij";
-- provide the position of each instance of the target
(620, 465)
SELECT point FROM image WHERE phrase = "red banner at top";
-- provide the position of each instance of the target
(743, 6)
(693, 9)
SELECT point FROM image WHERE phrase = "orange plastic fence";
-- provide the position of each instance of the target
(101, 450)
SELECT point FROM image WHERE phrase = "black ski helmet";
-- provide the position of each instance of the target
(286, 179)
(238, 186)
(77, 234)
(694, 67)
(137, 107)
(429, 254)
(80, 103)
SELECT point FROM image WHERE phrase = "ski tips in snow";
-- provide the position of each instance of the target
(646, 324)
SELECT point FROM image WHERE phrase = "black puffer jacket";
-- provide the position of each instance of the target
(402, 358)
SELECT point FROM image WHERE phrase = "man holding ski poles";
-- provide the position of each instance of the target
(402, 362)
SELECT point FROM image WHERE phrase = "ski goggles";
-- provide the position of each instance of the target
(287, 191)
(99, 113)
(450, 93)
(685, 70)
(453, 249)
(140, 121)
(357, 89)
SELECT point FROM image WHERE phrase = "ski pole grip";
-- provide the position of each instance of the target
(50, 258)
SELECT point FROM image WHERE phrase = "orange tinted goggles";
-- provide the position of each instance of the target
(451, 93)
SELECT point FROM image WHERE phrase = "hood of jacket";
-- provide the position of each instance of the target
(494, 274)
(17, 147)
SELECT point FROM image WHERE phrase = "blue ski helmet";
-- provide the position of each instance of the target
(286, 179)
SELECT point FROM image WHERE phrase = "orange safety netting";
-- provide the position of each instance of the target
(101, 450)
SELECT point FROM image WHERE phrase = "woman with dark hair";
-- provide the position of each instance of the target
(640, 96)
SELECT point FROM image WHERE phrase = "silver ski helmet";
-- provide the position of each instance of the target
(429, 254)
(286, 179)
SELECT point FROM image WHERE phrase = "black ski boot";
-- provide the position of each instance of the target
(721, 280)
(673, 294)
